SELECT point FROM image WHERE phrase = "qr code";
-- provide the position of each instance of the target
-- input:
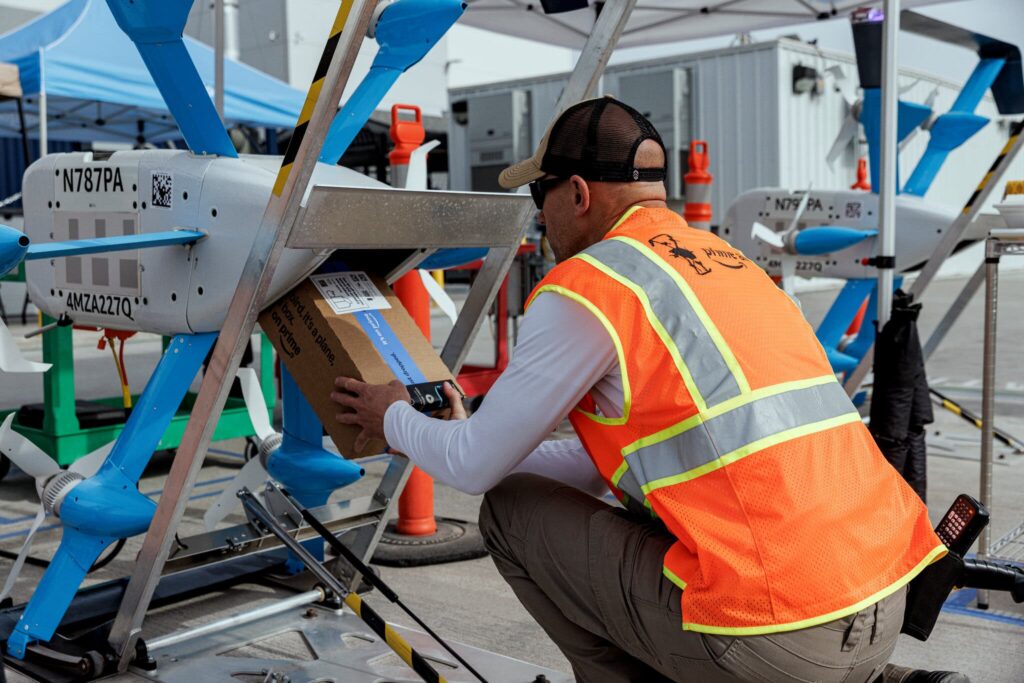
(163, 190)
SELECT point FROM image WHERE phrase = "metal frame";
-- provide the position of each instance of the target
(952, 237)
(281, 216)
(264, 254)
(1000, 243)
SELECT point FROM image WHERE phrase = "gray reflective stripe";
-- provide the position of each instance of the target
(710, 373)
(628, 484)
(727, 433)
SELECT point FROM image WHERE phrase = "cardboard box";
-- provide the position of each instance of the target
(352, 324)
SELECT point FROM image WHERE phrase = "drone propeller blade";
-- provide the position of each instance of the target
(416, 176)
(253, 395)
(12, 577)
(11, 359)
(760, 231)
(440, 297)
(789, 276)
(25, 454)
(89, 465)
(251, 476)
(845, 136)
(800, 208)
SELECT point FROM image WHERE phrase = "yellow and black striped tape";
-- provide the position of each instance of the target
(396, 642)
(312, 95)
(1015, 132)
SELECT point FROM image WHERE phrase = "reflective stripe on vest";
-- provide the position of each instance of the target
(699, 446)
(705, 362)
(732, 421)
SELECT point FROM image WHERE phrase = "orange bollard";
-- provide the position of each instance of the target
(697, 211)
(407, 136)
(862, 176)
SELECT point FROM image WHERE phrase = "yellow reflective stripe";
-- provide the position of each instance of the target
(673, 578)
(624, 217)
(666, 338)
(617, 476)
(626, 393)
(752, 448)
(933, 555)
(691, 296)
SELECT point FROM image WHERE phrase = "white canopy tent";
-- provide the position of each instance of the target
(656, 21)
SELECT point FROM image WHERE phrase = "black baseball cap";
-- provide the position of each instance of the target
(596, 140)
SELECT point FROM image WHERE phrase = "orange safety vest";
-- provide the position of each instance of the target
(736, 434)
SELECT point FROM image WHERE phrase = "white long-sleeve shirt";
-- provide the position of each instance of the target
(563, 352)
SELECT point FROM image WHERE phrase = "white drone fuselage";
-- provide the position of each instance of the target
(919, 227)
(165, 290)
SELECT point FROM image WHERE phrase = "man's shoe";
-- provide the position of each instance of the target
(901, 674)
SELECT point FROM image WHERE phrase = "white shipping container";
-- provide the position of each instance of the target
(741, 100)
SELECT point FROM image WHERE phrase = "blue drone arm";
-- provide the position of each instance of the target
(955, 127)
(156, 28)
(406, 31)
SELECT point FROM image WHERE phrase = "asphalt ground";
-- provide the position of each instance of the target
(468, 602)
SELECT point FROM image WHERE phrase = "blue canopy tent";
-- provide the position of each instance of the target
(83, 79)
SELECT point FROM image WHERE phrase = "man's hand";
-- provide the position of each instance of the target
(458, 411)
(368, 402)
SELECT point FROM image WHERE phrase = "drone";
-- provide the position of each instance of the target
(156, 241)
(832, 233)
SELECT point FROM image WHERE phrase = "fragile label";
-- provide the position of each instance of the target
(349, 292)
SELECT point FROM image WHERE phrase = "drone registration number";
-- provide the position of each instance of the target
(99, 304)
(86, 186)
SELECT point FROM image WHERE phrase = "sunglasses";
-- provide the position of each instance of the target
(540, 188)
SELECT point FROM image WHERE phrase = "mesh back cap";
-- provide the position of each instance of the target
(596, 140)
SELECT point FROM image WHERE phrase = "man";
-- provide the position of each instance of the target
(763, 537)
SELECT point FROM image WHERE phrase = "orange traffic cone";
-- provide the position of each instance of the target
(697, 211)
(417, 537)
(862, 176)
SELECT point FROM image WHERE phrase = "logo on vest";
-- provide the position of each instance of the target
(724, 257)
(669, 242)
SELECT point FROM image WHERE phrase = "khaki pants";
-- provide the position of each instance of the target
(590, 574)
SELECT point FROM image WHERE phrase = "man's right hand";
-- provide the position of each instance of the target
(458, 411)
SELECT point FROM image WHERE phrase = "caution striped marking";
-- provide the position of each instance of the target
(1015, 133)
(312, 95)
(397, 643)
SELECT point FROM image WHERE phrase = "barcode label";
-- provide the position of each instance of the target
(350, 292)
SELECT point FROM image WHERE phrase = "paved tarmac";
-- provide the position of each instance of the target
(469, 603)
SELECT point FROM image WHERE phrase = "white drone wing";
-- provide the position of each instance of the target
(252, 474)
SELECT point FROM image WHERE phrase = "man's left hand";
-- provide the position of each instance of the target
(368, 402)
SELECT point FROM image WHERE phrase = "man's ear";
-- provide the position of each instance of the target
(581, 195)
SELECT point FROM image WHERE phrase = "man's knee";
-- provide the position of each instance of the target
(511, 503)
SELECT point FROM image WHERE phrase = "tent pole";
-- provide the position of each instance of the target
(43, 138)
(889, 135)
(24, 132)
(218, 57)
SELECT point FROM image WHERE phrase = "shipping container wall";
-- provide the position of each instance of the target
(759, 132)
(736, 104)
(810, 121)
